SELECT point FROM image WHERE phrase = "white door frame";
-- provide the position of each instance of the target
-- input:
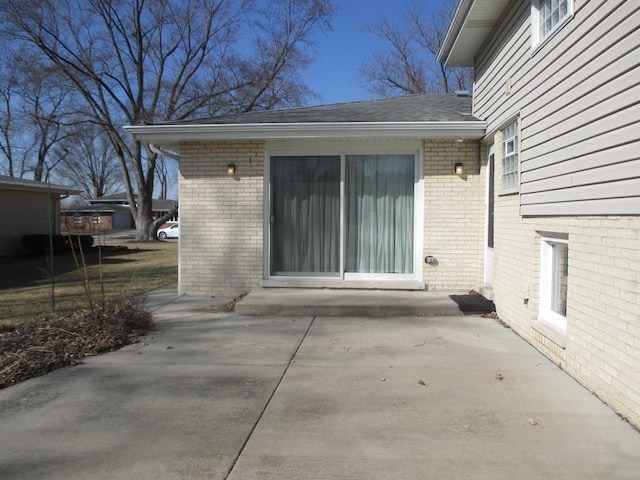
(489, 213)
(412, 281)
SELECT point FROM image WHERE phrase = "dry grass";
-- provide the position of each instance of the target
(25, 286)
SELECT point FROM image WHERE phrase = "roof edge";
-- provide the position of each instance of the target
(460, 14)
(170, 136)
(42, 187)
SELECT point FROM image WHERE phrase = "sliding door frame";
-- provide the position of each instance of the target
(343, 148)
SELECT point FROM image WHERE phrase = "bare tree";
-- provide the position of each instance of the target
(90, 163)
(45, 99)
(166, 171)
(140, 61)
(34, 105)
(8, 128)
(283, 45)
(408, 65)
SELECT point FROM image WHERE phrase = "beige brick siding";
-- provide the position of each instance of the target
(454, 215)
(221, 220)
(221, 217)
(601, 348)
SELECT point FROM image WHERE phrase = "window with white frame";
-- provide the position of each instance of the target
(547, 16)
(510, 161)
(554, 270)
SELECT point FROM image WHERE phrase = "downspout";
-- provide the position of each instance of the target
(164, 153)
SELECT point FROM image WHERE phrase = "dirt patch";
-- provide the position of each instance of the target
(37, 348)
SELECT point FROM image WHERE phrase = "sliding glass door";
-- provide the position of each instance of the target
(305, 215)
(342, 216)
(379, 213)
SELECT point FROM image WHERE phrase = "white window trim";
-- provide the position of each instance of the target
(536, 41)
(546, 314)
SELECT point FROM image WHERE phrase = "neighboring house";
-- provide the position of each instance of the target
(28, 207)
(558, 83)
(98, 216)
(160, 206)
(349, 195)
(110, 212)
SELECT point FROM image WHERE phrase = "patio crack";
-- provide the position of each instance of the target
(255, 425)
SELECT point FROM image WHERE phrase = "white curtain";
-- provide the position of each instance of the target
(379, 213)
(305, 215)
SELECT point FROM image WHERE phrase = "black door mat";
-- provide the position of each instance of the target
(473, 303)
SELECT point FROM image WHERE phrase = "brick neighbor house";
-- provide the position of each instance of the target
(530, 192)
(110, 212)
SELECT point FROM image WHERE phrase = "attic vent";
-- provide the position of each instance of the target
(463, 93)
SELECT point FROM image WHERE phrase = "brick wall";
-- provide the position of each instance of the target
(454, 215)
(221, 217)
(601, 348)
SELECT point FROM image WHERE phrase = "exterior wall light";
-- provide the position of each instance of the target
(231, 169)
(459, 139)
(459, 168)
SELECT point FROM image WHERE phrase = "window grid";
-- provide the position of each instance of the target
(551, 13)
(510, 156)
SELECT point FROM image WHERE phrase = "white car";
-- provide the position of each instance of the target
(172, 231)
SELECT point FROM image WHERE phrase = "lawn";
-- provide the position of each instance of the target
(135, 268)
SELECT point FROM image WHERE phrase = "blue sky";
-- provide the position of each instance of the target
(334, 74)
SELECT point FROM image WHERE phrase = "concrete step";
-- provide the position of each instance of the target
(485, 290)
(355, 303)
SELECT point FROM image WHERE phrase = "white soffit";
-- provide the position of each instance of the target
(471, 25)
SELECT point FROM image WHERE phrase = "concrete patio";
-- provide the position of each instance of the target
(232, 396)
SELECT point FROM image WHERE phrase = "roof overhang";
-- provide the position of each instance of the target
(471, 24)
(41, 188)
(171, 136)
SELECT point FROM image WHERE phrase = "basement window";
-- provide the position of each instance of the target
(554, 275)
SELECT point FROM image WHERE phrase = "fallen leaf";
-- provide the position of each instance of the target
(532, 422)
(382, 379)
(170, 347)
(421, 382)
(499, 376)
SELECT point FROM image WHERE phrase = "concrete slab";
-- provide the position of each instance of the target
(179, 405)
(131, 422)
(344, 302)
(352, 406)
(167, 300)
(222, 395)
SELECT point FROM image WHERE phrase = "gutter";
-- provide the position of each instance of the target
(170, 136)
(458, 19)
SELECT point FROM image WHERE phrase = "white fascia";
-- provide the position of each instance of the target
(170, 136)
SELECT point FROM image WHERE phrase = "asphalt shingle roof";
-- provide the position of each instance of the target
(412, 108)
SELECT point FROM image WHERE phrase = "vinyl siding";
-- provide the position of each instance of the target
(578, 98)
